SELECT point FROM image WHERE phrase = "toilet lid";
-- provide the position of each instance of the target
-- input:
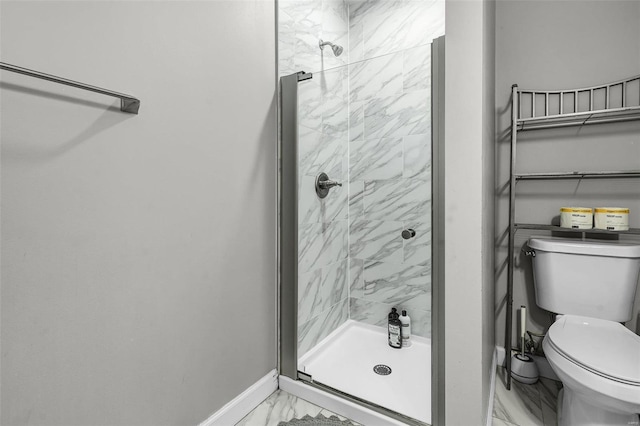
(607, 348)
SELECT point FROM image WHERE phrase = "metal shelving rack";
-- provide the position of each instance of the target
(535, 109)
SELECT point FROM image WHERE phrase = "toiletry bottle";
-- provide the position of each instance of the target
(395, 329)
(406, 329)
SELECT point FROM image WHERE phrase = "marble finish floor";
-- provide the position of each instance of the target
(281, 406)
(525, 404)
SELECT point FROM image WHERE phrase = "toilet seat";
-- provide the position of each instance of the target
(605, 348)
(590, 397)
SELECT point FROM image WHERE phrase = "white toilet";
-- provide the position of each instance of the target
(592, 284)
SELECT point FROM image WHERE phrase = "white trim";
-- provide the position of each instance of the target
(492, 386)
(500, 354)
(337, 405)
(236, 409)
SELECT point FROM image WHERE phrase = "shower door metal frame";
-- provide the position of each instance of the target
(288, 242)
(437, 232)
(288, 224)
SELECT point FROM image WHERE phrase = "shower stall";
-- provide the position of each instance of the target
(359, 185)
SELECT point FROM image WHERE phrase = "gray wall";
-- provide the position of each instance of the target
(469, 209)
(562, 45)
(138, 252)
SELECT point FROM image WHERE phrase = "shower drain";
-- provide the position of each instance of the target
(383, 370)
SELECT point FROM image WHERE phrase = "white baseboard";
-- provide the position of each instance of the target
(337, 405)
(500, 355)
(241, 405)
(492, 386)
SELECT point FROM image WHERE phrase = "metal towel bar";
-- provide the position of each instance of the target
(128, 103)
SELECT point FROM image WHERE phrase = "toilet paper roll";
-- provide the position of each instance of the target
(612, 218)
(576, 217)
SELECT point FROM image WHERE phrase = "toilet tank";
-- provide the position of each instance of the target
(592, 278)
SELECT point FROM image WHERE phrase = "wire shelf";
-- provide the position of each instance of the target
(608, 103)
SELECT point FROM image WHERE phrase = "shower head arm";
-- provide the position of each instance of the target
(322, 44)
(337, 50)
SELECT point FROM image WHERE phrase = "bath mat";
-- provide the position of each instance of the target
(318, 420)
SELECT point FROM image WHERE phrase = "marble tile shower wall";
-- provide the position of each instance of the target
(301, 24)
(390, 158)
(363, 119)
(323, 264)
(379, 27)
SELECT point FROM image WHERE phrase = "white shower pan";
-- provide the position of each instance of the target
(345, 360)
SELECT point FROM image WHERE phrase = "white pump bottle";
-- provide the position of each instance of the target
(405, 320)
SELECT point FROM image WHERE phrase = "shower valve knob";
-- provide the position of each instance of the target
(329, 184)
(408, 233)
(323, 184)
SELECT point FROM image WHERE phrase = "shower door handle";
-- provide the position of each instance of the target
(408, 233)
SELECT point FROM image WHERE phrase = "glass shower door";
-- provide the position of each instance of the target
(362, 246)
(323, 261)
(365, 248)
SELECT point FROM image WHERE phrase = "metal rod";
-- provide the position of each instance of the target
(576, 122)
(607, 112)
(546, 104)
(128, 103)
(539, 227)
(614, 83)
(533, 104)
(512, 229)
(579, 175)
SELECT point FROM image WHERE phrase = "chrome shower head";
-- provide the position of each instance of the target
(337, 50)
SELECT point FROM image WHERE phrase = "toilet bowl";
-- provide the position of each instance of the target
(598, 362)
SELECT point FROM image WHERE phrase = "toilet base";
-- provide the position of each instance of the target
(576, 411)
